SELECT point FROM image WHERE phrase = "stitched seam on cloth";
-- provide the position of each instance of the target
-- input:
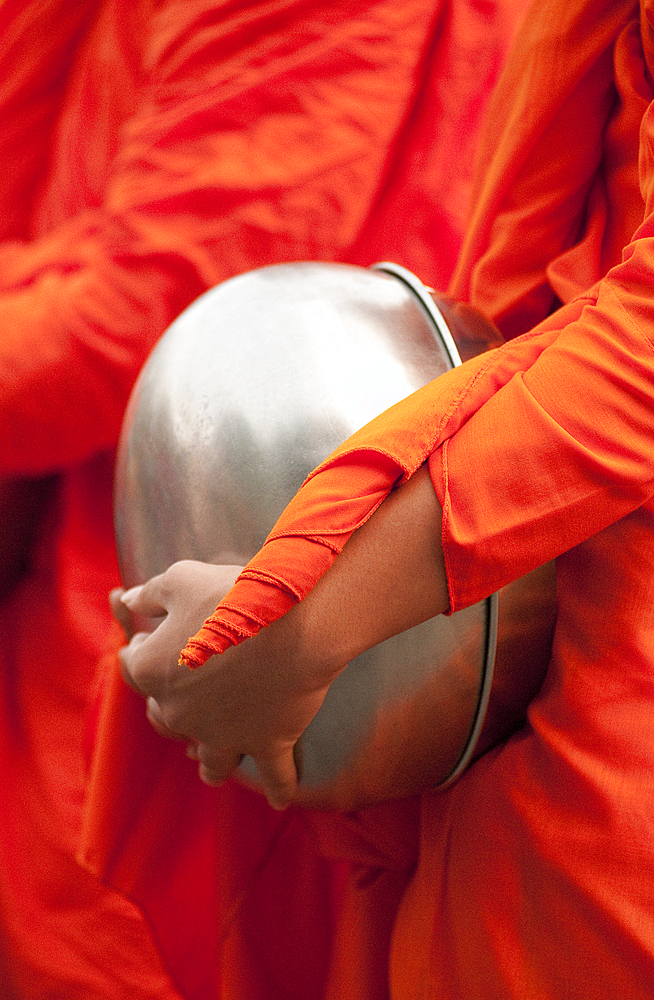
(447, 507)
(263, 577)
(214, 622)
(467, 388)
(380, 450)
(294, 533)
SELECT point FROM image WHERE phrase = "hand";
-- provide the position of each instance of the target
(257, 698)
(129, 622)
(137, 625)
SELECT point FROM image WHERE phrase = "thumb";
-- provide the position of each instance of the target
(278, 775)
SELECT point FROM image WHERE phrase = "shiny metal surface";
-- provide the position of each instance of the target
(250, 389)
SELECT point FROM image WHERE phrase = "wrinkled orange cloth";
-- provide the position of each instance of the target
(151, 150)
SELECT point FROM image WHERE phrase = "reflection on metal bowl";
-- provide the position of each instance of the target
(250, 389)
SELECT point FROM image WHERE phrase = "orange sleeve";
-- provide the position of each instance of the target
(257, 136)
(564, 448)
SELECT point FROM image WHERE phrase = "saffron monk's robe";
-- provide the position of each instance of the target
(536, 871)
(150, 151)
(535, 874)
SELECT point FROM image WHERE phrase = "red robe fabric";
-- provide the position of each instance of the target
(151, 149)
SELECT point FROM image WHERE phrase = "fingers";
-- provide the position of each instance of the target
(215, 766)
(155, 719)
(212, 713)
(125, 606)
(126, 656)
(278, 775)
(121, 612)
(188, 590)
(146, 600)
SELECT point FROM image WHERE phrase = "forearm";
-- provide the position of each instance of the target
(389, 577)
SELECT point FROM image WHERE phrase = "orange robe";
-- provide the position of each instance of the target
(535, 872)
(149, 151)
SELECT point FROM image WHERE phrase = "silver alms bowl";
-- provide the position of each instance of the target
(247, 392)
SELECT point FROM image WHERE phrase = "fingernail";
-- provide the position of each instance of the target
(131, 595)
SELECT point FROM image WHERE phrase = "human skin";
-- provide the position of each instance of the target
(258, 697)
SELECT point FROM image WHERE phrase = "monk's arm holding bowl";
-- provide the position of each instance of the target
(259, 696)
